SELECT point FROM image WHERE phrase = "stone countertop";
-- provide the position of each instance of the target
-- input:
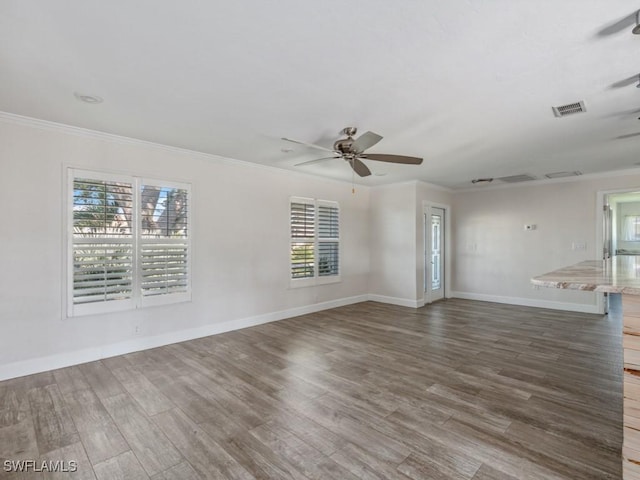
(617, 275)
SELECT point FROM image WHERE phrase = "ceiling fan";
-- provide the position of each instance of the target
(353, 151)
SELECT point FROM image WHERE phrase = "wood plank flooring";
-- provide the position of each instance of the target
(456, 390)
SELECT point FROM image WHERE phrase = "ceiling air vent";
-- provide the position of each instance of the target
(569, 109)
(563, 174)
(517, 178)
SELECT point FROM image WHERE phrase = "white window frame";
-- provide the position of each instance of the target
(317, 279)
(137, 300)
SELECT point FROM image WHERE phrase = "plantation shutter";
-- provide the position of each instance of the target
(129, 243)
(328, 238)
(102, 244)
(315, 241)
(164, 242)
(303, 228)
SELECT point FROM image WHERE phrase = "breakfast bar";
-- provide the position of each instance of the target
(619, 275)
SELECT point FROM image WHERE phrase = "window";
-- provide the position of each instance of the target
(315, 241)
(631, 228)
(129, 243)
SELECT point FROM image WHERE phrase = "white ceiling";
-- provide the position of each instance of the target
(468, 85)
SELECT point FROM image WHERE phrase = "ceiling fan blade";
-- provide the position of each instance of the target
(364, 141)
(310, 145)
(309, 162)
(359, 167)
(381, 157)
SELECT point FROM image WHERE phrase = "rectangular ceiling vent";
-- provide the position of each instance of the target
(517, 178)
(563, 174)
(569, 109)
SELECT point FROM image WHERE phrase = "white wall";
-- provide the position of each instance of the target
(495, 258)
(397, 241)
(240, 246)
(393, 243)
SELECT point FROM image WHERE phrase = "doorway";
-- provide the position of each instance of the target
(618, 228)
(621, 224)
(435, 255)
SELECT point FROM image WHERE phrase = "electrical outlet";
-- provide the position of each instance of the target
(136, 330)
(530, 226)
(578, 246)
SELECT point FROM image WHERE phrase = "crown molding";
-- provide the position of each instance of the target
(431, 186)
(51, 126)
(550, 181)
(434, 186)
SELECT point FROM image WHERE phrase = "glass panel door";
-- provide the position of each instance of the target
(436, 274)
(437, 254)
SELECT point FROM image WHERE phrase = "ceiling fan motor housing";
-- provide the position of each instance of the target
(343, 145)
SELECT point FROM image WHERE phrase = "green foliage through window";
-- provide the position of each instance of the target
(127, 246)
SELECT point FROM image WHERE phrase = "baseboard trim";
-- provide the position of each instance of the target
(527, 302)
(67, 359)
(402, 302)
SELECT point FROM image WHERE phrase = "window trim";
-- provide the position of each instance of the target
(137, 300)
(317, 279)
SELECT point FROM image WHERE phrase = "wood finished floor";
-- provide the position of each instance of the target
(457, 390)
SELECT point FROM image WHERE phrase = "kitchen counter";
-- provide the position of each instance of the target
(617, 275)
(620, 275)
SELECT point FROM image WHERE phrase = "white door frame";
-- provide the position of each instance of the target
(600, 304)
(426, 250)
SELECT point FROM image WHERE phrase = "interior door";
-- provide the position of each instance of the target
(435, 259)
